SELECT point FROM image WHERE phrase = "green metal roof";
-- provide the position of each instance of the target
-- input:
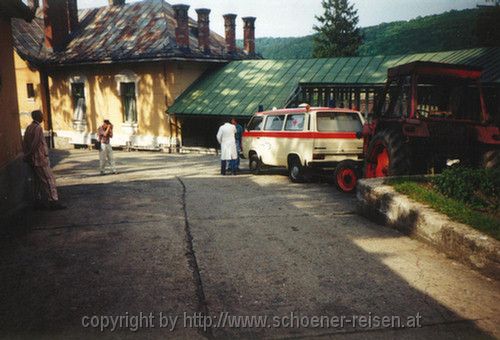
(240, 86)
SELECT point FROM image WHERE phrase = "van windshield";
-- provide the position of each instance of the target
(338, 122)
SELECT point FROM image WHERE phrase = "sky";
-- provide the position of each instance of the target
(292, 18)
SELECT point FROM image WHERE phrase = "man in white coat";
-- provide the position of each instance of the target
(227, 141)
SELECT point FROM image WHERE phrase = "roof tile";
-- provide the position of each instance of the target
(135, 31)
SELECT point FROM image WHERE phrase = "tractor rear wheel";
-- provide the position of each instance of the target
(388, 155)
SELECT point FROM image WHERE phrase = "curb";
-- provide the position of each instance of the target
(381, 203)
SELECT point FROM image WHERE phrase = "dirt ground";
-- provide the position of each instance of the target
(169, 237)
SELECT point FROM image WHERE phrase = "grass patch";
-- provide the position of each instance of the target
(424, 192)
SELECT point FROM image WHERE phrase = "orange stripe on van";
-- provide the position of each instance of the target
(300, 134)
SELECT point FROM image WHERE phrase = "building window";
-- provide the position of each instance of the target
(129, 102)
(30, 90)
(78, 99)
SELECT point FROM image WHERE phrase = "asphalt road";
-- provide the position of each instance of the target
(171, 239)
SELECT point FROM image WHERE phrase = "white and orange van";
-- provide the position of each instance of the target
(306, 138)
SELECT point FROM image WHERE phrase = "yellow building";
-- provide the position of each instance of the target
(14, 174)
(28, 90)
(122, 62)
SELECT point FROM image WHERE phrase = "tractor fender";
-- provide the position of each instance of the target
(488, 135)
(415, 128)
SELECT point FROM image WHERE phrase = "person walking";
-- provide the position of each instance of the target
(36, 154)
(227, 141)
(104, 135)
(238, 136)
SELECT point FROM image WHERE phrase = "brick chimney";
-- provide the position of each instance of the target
(230, 29)
(204, 29)
(249, 35)
(182, 29)
(72, 15)
(116, 2)
(56, 23)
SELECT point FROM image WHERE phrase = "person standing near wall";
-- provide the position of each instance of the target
(238, 135)
(36, 154)
(104, 135)
(227, 141)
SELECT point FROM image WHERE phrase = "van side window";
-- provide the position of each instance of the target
(255, 124)
(294, 122)
(274, 122)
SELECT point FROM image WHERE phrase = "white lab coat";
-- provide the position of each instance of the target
(225, 137)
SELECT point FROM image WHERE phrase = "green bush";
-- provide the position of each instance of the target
(480, 188)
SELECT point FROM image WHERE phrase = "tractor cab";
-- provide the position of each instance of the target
(428, 114)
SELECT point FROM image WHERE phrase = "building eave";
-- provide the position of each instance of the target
(129, 61)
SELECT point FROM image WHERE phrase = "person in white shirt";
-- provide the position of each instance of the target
(227, 141)
(104, 135)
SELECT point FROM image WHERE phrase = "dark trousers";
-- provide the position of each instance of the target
(238, 151)
(227, 164)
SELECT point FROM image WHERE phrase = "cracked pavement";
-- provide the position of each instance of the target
(169, 235)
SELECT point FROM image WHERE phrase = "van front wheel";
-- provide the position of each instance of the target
(295, 170)
(255, 164)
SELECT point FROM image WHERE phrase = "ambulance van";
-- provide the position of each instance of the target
(307, 138)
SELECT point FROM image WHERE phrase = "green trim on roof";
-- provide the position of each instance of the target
(240, 87)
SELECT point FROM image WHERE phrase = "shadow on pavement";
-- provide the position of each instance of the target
(262, 249)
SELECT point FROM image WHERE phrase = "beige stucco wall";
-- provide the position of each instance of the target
(158, 84)
(15, 183)
(25, 74)
(10, 136)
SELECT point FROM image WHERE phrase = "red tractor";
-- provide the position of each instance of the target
(429, 114)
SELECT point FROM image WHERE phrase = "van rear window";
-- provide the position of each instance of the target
(338, 122)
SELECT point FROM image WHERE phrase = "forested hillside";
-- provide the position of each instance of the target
(448, 31)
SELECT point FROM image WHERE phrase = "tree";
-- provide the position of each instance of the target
(487, 26)
(338, 34)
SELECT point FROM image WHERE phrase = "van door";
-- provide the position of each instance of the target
(336, 138)
(251, 136)
(272, 142)
(297, 142)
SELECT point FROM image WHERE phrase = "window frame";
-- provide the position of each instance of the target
(262, 118)
(128, 94)
(275, 115)
(358, 117)
(30, 92)
(75, 98)
(295, 114)
(79, 79)
(128, 76)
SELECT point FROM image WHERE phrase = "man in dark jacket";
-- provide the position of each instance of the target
(37, 155)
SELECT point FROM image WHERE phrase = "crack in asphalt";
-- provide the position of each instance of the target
(193, 264)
